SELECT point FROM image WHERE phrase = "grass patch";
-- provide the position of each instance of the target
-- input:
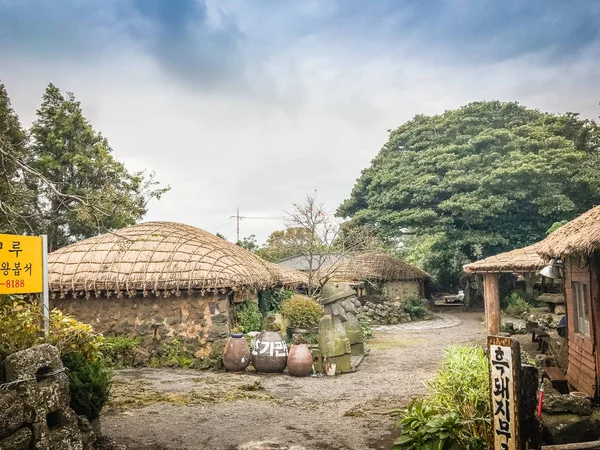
(384, 343)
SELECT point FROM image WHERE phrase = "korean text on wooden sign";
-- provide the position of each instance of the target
(505, 366)
(21, 264)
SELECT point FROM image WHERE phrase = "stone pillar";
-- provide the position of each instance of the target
(491, 296)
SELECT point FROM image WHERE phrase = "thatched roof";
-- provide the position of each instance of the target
(581, 235)
(520, 260)
(285, 276)
(157, 257)
(375, 266)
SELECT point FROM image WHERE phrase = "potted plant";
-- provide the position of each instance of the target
(302, 315)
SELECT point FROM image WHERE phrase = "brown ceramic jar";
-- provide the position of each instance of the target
(300, 361)
(270, 352)
(236, 355)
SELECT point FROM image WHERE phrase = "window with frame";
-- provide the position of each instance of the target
(581, 308)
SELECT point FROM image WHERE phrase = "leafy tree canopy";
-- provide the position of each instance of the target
(81, 189)
(283, 244)
(472, 182)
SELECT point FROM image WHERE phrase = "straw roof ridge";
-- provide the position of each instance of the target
(285, 276)
(376, 266)
(155, 257)
(523, 259)
(581, 235)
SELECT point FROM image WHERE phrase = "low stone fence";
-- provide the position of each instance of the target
(383, 311)
(34, 406)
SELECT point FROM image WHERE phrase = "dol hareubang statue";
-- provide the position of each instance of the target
(340, 334)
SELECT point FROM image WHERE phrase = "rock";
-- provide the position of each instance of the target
(20, 440)
(274, 322)
(393, 321)
(42, 393)
(57, 430)
(268, 445)
(13, 413)
(570, 428)
(298, 338)
(141, 357)
(88, 436)
(562, 403)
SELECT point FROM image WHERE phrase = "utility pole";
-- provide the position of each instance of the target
(237, 221)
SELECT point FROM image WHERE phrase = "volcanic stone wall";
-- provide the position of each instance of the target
(199, 324)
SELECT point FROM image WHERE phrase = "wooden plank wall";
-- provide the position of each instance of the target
(582, 371)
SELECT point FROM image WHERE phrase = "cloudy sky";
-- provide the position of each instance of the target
(253, 103)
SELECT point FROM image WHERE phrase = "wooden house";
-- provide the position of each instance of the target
(576, 246)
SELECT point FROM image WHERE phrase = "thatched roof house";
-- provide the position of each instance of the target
(376, 266)
(581, 235)
(162, 258)
(162, 282)
(521, 260)
(577, 245)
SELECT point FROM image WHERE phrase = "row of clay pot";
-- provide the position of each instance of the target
(269, 355)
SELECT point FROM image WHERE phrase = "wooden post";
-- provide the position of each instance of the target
(491, 297)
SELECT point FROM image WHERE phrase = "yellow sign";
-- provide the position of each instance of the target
(21, 264)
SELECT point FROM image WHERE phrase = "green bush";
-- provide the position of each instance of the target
(249, 317)
(461, 387)
(516, 305)
(118, 350)
(270, 300)
(89, 383)
(301, 312)
(425, 428)
(414, 306)
(365, 325)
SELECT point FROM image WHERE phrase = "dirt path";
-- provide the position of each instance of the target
(184, 409)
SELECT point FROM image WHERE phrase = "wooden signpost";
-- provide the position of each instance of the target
(505, 368)
(24, 268)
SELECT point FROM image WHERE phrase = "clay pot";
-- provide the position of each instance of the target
(236, 355)
(270, 352)
(300, 361)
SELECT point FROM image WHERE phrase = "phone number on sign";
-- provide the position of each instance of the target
(14, 283)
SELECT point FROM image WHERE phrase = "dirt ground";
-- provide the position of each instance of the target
(163, 409)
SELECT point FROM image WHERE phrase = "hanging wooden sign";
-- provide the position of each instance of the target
(505, 368)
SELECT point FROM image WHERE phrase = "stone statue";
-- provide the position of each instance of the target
(340, 334)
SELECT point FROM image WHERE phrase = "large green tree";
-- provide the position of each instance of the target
(14, 197)
(469, 183)
(81, 189)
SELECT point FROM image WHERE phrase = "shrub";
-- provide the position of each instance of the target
(302, 312)
(118, 350)
(270, 300)
(516, 305)
(425, 428)
(414, 306)
(461, 387)
(365, 325)
(249, 317)
(20, 328)
(89, 383)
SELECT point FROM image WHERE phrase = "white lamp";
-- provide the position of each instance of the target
(551, 270)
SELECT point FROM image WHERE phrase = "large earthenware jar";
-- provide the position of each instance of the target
(236, 355)
(270, 352)
(299, 361)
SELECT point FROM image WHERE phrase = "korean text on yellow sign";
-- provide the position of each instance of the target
(21, 264)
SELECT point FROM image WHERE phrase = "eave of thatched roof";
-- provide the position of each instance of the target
(520, 260)
(155, 257)
(285, 276)
(581, 235)
(375, 266)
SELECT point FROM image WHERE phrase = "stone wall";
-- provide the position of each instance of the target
(34, 405)
(199, 324)
(384, 312)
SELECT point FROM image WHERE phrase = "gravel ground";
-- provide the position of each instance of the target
(184, 409)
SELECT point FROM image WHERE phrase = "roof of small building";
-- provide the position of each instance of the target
(519, 260)
(363, 266)
(285, 276)
(156, 257)
(376, 266)
(581, 235)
